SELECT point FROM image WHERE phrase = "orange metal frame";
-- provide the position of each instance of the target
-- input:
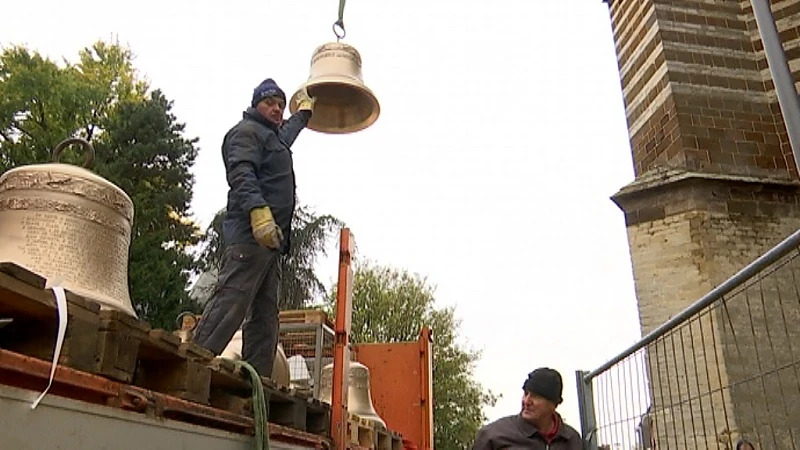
(401, 385)
(403, 400)
(426, 388)
(341, 346)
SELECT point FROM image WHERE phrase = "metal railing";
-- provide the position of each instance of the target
(723, 371)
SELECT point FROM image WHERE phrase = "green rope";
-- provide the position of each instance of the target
(260, 407)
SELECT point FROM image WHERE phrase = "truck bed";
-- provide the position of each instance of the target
(60, 423)
(83, 411)
(121, 385)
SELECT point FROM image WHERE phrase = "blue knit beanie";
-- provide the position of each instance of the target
(267, 88)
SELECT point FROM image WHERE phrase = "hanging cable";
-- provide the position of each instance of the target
(338, 26)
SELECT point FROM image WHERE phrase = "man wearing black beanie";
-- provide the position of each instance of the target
(538, 426)
(257, 226)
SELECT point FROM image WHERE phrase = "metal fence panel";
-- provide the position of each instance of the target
(727, 369)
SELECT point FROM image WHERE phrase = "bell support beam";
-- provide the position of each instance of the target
(341, 346)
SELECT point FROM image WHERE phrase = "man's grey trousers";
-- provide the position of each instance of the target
(247, 290)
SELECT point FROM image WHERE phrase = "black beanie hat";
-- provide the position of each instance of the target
(545, 382)
(267, 88)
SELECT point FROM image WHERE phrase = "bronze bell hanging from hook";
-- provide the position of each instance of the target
(64, 222)
(344, 104)
(359, 396)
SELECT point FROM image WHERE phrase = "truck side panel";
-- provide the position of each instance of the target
(401, 384)
(60, 423)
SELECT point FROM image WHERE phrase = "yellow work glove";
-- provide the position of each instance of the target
(304, 101)
(265, 230)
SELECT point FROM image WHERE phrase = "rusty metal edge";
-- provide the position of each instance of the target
(26, 372)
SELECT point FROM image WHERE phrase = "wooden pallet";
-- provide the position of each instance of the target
(290, 408)
(387, 440)
(121, 348)
(361, 432)
(128, 350)
(370, 435)
(312, 316)
(230, 390)
(297, 344)
(32, 320)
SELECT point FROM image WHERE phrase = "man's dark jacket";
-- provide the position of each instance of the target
(515, 433)
(260, 171)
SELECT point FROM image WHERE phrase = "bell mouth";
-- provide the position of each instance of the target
(341, 107)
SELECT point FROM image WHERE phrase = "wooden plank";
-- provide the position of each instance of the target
(131, 352)
(318, 417)
(20, 273)
(33, 326)
(361, 431)
(118, 343)
(23, 292)
(162, 363)
(305, 316)
(310, 316)
(388, 440)
(230, 389)
(285, 408)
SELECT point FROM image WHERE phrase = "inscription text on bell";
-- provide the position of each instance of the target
(65, 222)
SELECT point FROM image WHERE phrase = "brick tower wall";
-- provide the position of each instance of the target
(716, 186)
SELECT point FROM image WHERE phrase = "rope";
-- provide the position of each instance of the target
(260, 407)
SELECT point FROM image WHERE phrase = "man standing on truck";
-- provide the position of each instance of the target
(257, 227)
(538, 425)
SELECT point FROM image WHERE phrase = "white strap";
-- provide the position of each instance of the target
(61, 306)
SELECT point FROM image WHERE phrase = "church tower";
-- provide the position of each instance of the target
(715, 187)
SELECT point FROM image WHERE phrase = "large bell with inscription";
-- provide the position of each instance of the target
(344, 104)
(280, 368)
(359, 397)
(64, 222)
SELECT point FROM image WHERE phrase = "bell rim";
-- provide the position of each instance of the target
(104, 301)
(373, 117)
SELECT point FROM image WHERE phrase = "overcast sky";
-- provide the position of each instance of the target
(502, 136)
